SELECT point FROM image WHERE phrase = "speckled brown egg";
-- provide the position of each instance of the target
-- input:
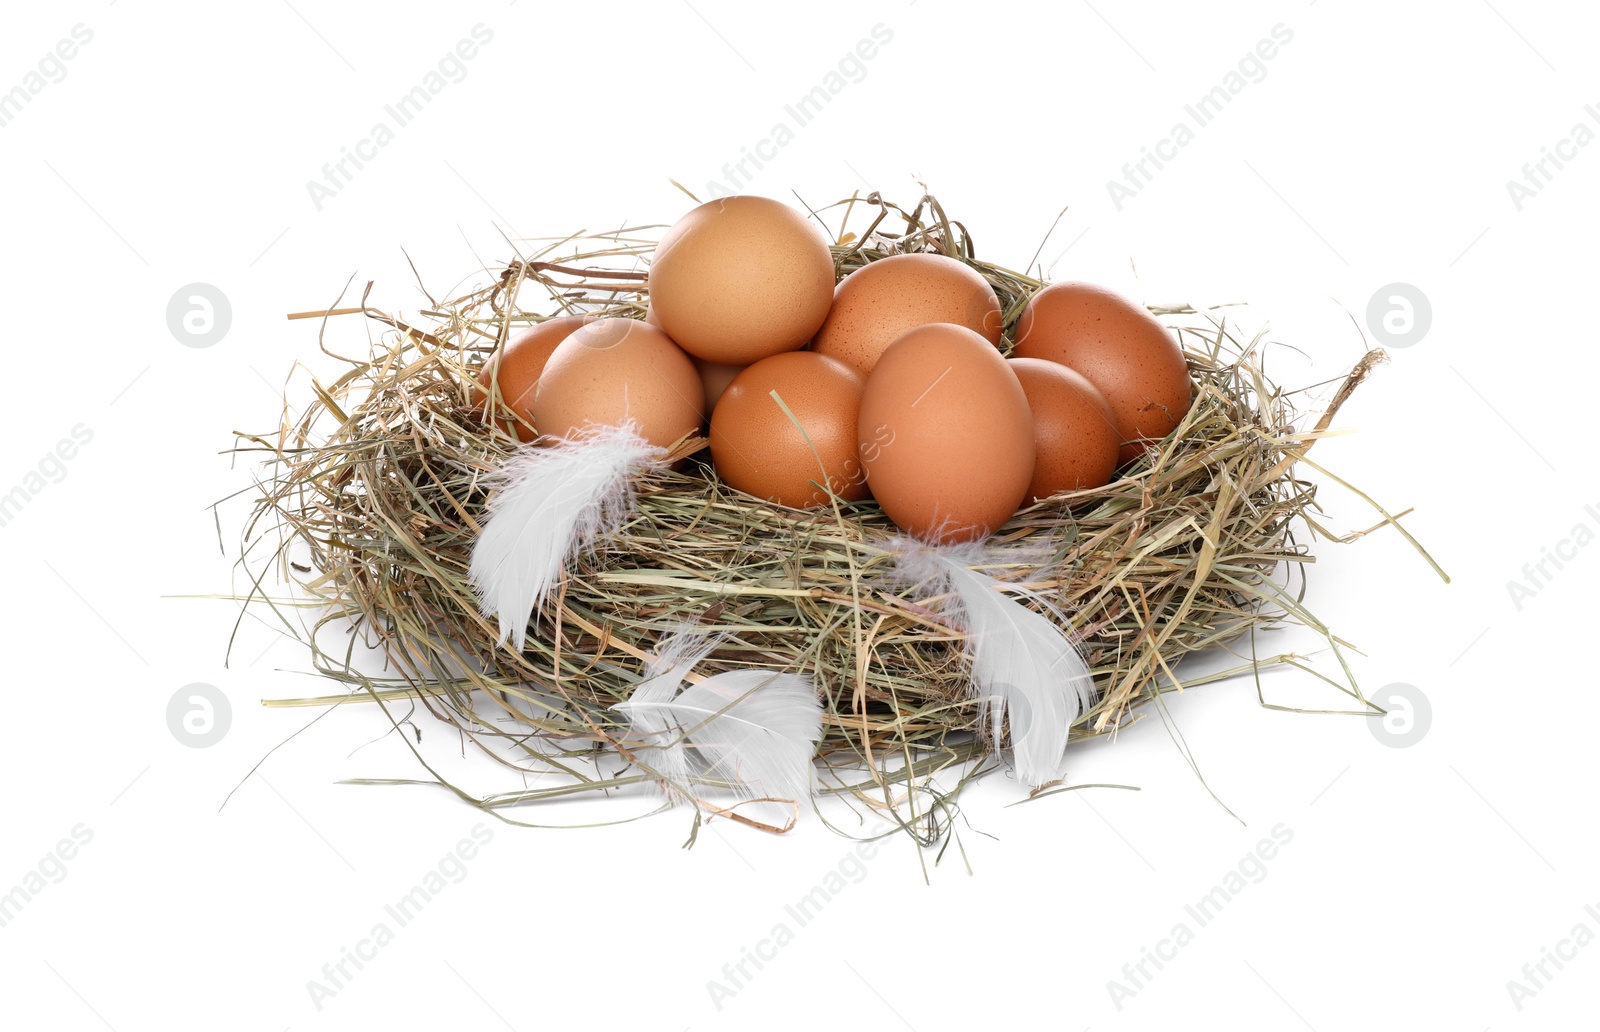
(1120, 348)
(1074, 431)
(946, 435)
(880, 301)
(614, 370)
(516, 368)
(714, 379)
(741, 278)
(758, 449)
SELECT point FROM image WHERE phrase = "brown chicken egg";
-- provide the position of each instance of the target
(945, 435)
(714, 379)
(516, 368)
(613, 370)
(758, 449)
(880, 301)
(1120, 348)
(741, 278)
(1074, 432)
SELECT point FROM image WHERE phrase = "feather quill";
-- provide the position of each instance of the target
(1022, 664)
(552, 502)
(754, 731)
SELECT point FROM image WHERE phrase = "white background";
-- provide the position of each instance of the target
(1376, 149)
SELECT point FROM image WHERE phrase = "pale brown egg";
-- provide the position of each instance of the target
(714, 378)
(1120, 348)
(945, 435)
(880, 301)
(516, 368)
(741, 278)
(615, 370)
(1075, 434)
(758, 449)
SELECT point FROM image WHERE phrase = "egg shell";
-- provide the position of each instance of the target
(714, 379)
(516, 368)
(1120, 347)
(741, 278)
(759, 450)
(1075, 434)
(614, 370)
(880, 301)
(946, 435)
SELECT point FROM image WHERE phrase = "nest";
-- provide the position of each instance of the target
(373, 498)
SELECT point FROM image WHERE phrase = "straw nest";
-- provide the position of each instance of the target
(372, 499)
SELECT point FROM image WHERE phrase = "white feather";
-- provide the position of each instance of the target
(651, 717)
(551, 503)
(753, 730)
(1022, 664)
